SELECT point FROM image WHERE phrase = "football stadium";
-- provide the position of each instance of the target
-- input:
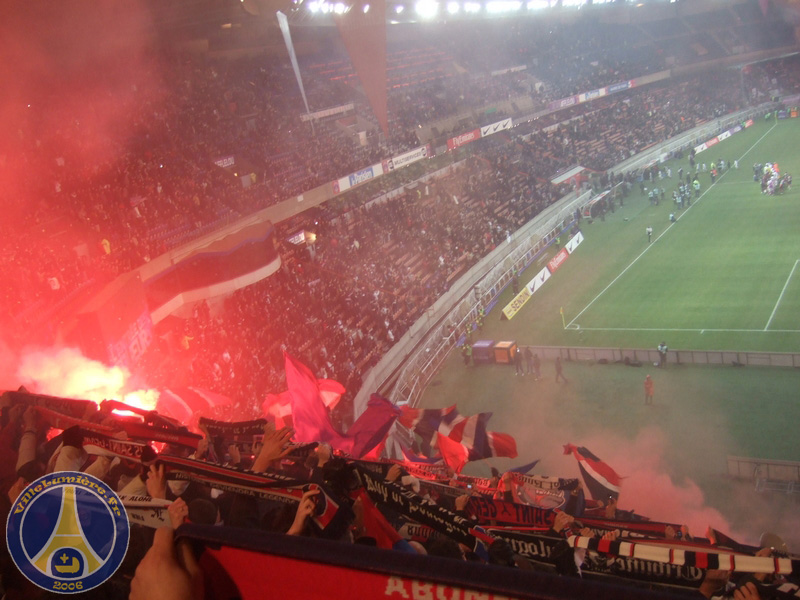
(484, 299)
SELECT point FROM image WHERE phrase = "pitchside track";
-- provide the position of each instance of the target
(724, 276)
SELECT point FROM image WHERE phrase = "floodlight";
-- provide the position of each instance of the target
(427, 9)
(498, 6)
(472, 7)
(453, 7)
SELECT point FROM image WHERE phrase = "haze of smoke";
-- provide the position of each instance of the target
(80, 69)
(650, 490)
(66, 372)
(8, 368)
(649, 486)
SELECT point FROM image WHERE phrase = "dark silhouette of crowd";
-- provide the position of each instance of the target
(314, 491)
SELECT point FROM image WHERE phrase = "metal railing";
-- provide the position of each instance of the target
(674, 357)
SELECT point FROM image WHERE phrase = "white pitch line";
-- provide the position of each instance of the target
(663, 233)
(783, 291)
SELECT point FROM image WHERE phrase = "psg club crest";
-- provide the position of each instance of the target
(67, 532)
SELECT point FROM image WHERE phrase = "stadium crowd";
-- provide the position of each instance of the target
(377, 266)
(89, 200)
(271, 484)
(98, 194)
(397, 256)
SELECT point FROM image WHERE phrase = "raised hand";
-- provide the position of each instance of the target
(275, 447)
(306, 508)
(178, 512)
(167, 572)
(156, 483)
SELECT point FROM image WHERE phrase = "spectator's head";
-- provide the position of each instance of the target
(203, 512)
(445, 547)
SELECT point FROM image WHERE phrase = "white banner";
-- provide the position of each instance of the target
(574, 242)
(495, 127)
(328, 112)
(509, 70)
(407, 158)
(538, 281)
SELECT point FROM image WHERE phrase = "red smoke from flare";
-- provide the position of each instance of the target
(69, 374)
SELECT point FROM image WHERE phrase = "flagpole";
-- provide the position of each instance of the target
(563, 322)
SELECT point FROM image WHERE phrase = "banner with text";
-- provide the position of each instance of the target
(357, 178)
(328, 112)
(557, 260)
(407, 158)
(463, 139)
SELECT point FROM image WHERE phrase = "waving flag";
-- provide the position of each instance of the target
(426, 421)
(312, 423)
(279, 407)
(524, 469)
(466, 430)
(372, 427)
(310, 418)
(499, 444)
(455, 454)
(409, 455)
(601, 480)
(471, 432)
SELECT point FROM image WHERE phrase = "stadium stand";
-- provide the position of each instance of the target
(87, 203)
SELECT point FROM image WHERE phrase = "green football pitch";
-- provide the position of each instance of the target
(724, 276)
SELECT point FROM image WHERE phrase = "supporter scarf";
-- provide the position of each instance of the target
(479, 483)
(66, 406)
(435, 490)
(415, 532)
(138, 431)
(499, 512)
(239, 431)
(146, 511)
(727, 542)
(541, 482)
(410, 505)
(629, 529)
(104, 445)
(155, 428)
(544, 547)
(429, 472)
(422, 472)
(59, 420)
(141, 431)
(330, 516)
(687, 558)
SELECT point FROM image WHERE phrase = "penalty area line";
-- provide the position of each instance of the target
(783, 291)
